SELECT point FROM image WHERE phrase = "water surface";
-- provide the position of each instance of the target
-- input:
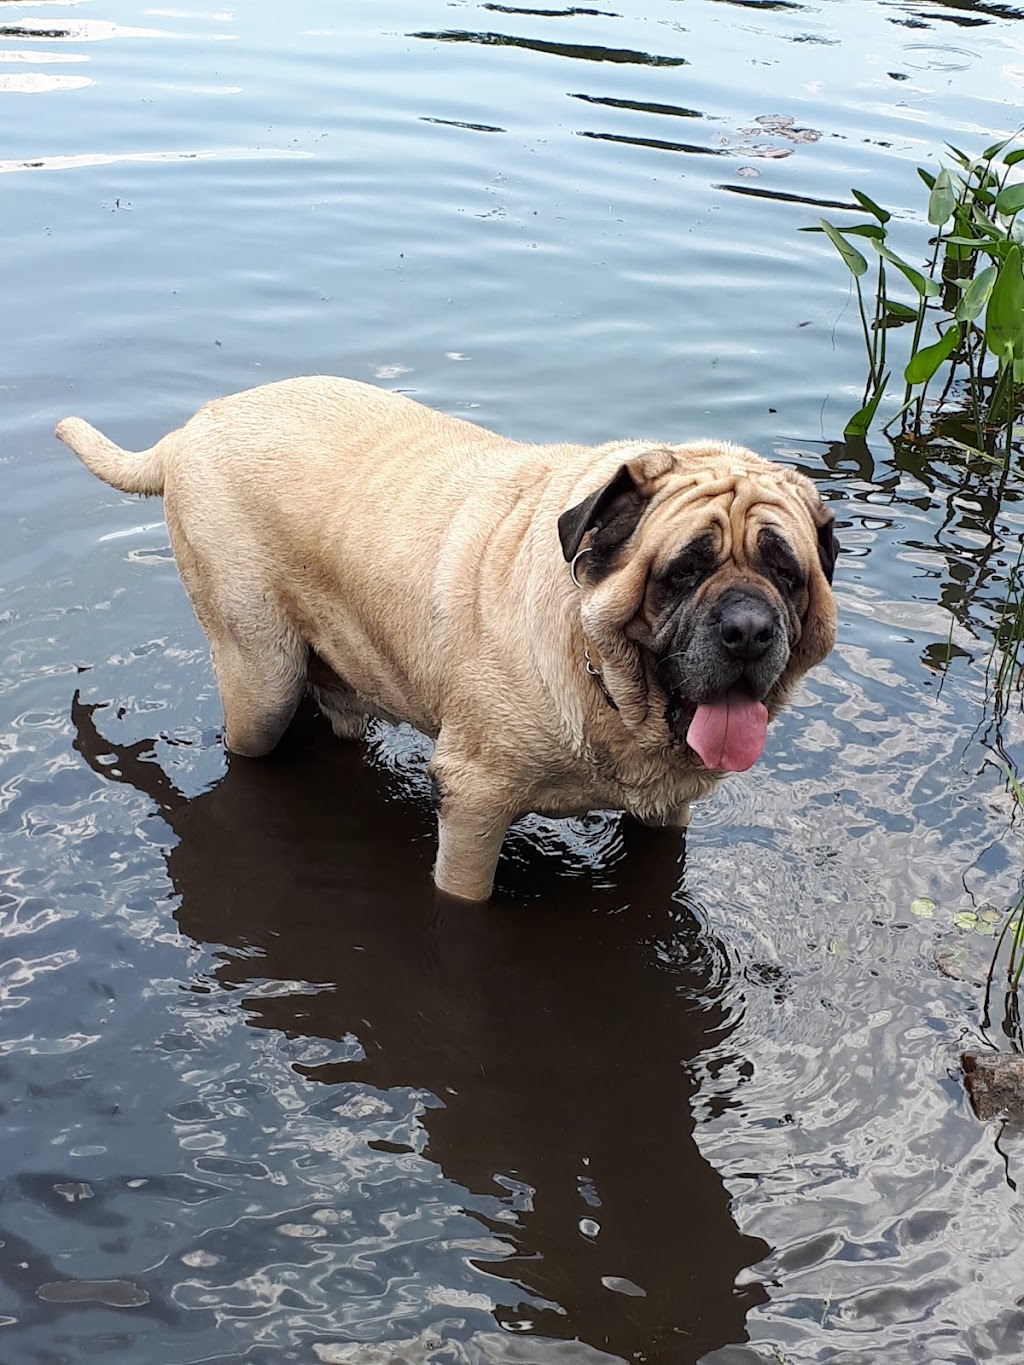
(262, 1101)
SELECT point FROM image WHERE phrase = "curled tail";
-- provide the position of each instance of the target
(130, 471)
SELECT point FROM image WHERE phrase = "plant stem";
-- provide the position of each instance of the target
(868, 344)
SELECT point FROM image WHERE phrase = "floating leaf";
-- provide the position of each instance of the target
(976, 295)
(855, 262)
(900, 311)
(881, 214)
(984, 922)
(942, 199)
(925, 362)
(924, 907)
(1010, 199)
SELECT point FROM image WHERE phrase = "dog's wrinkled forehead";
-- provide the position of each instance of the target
(731, 505)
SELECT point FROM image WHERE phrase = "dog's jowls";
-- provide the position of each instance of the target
(577, 628)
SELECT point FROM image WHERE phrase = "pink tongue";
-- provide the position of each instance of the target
(729, 734)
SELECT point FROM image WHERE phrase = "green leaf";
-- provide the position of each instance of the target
(926, 176)
(1004, 318)
(855, 262)
(900, 311)
(983, 222)
(862, 199)
(976, 295)
(1010, 199)
(924, 363)
(871, 230)
(995, 149)
(856, 230)
(955, 253)
(925, 287)
(942, 199)
(1011, 158)
(966, 920)
(960, 157)
(860, 421)
(974, 243)
(924, 907)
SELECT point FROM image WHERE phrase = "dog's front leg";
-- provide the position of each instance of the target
(472, 821)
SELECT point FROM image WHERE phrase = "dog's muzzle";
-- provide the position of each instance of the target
(718, 665)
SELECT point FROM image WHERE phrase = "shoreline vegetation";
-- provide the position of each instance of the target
(963, 397)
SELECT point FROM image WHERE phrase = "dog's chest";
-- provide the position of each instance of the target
(654, 787)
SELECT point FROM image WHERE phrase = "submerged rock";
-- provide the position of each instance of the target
(995, 1083)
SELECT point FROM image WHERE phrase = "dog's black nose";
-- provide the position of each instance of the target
(746, 625)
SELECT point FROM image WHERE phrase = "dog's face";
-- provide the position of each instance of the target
(705, 579)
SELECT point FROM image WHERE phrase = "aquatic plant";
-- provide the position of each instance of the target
(970, 293)
(967, 334)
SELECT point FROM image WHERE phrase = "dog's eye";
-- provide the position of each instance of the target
(789, 577)
(779, 564)
(690, 567)
(684, 575)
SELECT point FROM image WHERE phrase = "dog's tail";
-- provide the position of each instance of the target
(131, 471)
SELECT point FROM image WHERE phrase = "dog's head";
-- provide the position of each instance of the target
(705, 574)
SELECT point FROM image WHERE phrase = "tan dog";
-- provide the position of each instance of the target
(577, 628)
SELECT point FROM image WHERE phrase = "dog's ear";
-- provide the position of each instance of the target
(614, 511)
(617, 506)
(828, 547)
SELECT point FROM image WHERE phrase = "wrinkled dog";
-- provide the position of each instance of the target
(577, 628)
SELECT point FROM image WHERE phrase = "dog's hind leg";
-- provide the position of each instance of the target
(348, 719)
(338, 702)
(261, 683)
(259, 658)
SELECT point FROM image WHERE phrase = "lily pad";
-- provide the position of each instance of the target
(924, 907)
(985, 921)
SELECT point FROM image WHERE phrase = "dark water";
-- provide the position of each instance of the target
(261, 1100)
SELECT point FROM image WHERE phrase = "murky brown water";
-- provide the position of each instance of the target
(263, 1101)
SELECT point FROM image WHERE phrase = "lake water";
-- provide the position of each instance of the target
(261, 1101)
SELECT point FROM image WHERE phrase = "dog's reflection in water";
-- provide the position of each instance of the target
(559, 1031)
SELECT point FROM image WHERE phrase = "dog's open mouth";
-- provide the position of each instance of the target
(729, 733)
